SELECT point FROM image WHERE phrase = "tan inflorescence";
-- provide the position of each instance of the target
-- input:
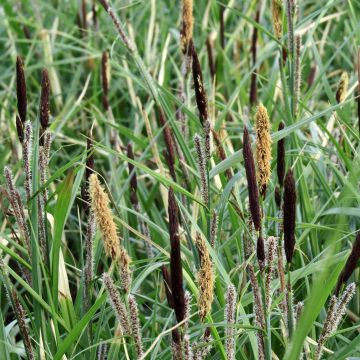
(187, 23)
(205, 278)
(104, 217)
(263, 147)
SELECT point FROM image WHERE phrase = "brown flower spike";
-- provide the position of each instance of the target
(289, 215)
(175, 259)
(251, 179)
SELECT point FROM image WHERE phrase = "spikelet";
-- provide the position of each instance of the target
(342, 87)
(263, 148)
(341, 305)
(280, 161)
(175, 259)
(270, 256)
(251, 179)
(297, 82)
(117, 305)
(24, 330)
(44, 110)
(89, 263)
(188, 353)
(102, 351)
(289, 210)
(205, 278)
(27, 152)
(290, 25)
(135, 325)
(118, 25)
(21, 90)
(105, 78)
(230, 308)
(202, 170)
(188, 299)
(213, 228)
(335, 313)
(350, 265)
(259, 312)
(18, 208)
(104, 218)
(124, 270)
(186, 32)
(276, 8)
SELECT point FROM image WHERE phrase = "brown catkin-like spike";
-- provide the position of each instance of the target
(202, 170)
(102, 351)
(205, 278)
(270, 256)
(44, 110)
(207, 139)
(251, 179)
(200, 93)
(21, 319)
(135, 325)
(253, 86)
(90, 165)
(124, 270)
(117, 305)
(21, 89)
(290, 25)
(188, 299)
(289, 209)
(341, 305)
(342, 87)
(263, 148)
(187, 25)
(276, 8)
(280, 161)
(175, 259)
(230, 308)
(27, 152)
(18, 208)
(350, 265)
(297, 82)
(104, 217)
(89, 262)
(213, 228)
(105, 78)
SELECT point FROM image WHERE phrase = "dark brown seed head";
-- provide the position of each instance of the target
(175, 259)
(20, 128)
(200, 94)
(260, 252)
(251, 179)
(280, 164)
(253, 86)
(289, 205)
(105, 75)
(45, 100)
(21, 89)
(132, 174)
(350, 265)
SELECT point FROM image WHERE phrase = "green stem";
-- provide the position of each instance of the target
(290, 304)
